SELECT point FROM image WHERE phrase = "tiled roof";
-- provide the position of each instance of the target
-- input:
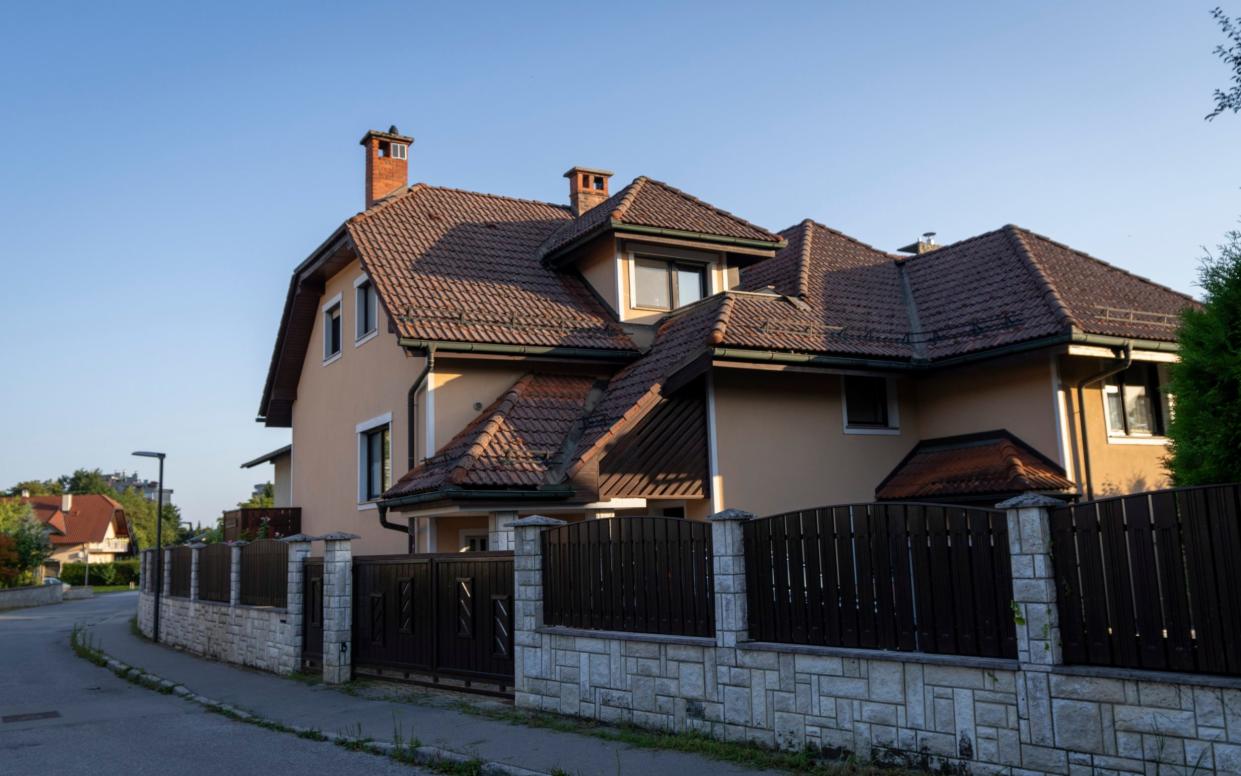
(458, 266)
(651, 203)
(517, 442)
(990, 463)
(86, 520)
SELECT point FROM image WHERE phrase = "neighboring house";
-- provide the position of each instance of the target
(82, 527)
(449, 359)
(281, 460)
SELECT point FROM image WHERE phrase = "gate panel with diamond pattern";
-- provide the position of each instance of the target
(434, 614)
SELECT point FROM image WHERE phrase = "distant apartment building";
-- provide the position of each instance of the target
(121, 482)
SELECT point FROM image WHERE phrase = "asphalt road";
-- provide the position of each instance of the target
(104, 724)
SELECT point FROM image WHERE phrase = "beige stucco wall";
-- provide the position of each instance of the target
(1116, 467)
(598, 266)
(463, 390)
(365, 382)
(782, 444)
(448, 530)
(1016, 394)
(282, 481)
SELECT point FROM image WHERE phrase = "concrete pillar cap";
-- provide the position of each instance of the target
(731, 515)
(534, 521)
(1030, 501)
(298, 538)
(339, 536)
(237, 543)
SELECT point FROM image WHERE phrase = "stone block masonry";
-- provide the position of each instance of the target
(1027, 716)
(263, 637)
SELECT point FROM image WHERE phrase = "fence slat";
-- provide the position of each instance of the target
(1119, 592)
(1068, 586)
(1148, 620)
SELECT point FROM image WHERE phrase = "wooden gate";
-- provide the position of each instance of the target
(434, 615)
(312, 613)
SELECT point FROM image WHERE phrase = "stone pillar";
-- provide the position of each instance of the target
(196, 551)
(500, 530)
(167, 570)
(728, 568)
(527, 597)
(143, 570)
(299, 550)
(1038, 627)
(234, 572)
(338, 608)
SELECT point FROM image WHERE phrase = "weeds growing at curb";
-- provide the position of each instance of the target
(83, 644)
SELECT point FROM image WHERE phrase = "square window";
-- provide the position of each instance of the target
(866, 402)
(331, 331)
(367, 306)
(690, 282)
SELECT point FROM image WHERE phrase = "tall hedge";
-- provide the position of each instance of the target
(120, 572)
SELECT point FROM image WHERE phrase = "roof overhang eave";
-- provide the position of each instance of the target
(540, 351)
(612, 225)
(554, 493)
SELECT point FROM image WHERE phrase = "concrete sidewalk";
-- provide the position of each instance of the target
(432, 718)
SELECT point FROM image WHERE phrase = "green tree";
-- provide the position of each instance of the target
(141, 515)
(264, 498)
(8, 561)
(12, 512)
(37, 488)
(1206, 383)
(86, 481)
(29, 542)
(1228, 100)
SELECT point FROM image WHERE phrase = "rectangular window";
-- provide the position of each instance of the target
(1137, 402)
(664, 285)
(331, 330)
(399, 150)
(376, 452)
(367, 305)
(868, 403)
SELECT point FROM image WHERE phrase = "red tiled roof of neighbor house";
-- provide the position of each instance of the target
(457, 266)
(990, 463)
(85, 521)
(517, 442)
(650, 203)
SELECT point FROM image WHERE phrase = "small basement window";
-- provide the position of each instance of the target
(667, 285)
(870, 405)
(331, 329)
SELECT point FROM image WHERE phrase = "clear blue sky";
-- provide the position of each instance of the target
(163, 166)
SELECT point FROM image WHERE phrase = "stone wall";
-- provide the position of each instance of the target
(33, 595)
(1027, 716)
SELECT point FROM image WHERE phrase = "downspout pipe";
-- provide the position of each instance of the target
(1125, 362)
(411, 429)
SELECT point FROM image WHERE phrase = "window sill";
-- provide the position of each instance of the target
(862, 431)
(1152, 441)
(365, 505)
(333, 358)
(365, 338)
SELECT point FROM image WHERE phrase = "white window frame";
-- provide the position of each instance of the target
(894, 411)
(360, 433)
(632, 258)
(361, 339)
(1118, 436)
(336, 301)
(398, 150)
(466, 533)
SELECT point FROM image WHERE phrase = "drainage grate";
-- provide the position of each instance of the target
(30, 717)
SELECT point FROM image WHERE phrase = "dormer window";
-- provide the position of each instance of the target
(667, 285)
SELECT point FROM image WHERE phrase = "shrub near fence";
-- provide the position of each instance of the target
(1152, 580)
(908, 577)
(214, 572)
(120, 572)
(636, 574)
(179, 572)
(265, 573)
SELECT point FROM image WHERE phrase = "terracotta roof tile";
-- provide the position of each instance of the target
(458, 266)
(991, 463)
(86, 520)
(516, 442)
(651, 203)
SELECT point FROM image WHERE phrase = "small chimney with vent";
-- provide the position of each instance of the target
(926, 243)
(587, 187)
(387, 162)
(66, 502)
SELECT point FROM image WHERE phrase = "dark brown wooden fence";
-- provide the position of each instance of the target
(1152, 580)
(264, 573)
(214, 572)
(636, 574)
(250, 523)
(908, 577)
(179, 572)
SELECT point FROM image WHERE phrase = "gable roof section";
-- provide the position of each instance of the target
(457, 266)
(517, 442)
(85, 521)
(651, 204)
(989, 463)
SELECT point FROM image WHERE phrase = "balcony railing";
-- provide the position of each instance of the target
(262, 523)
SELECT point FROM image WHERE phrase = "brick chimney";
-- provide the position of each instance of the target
(387, 162)
(66, 502)
(587, 187)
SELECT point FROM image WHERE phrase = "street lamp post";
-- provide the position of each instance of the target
(159, 522)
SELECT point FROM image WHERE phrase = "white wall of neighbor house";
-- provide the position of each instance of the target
(368, 379)
(282, 481)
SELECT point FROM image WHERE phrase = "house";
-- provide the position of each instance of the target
(82, 527)
(122, 481)
(449, 359)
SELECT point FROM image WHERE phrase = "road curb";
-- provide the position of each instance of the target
(429, 756)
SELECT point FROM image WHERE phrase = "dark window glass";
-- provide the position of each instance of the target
(866, 402)
(367, 310)
(377, 466)
(331, 334)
